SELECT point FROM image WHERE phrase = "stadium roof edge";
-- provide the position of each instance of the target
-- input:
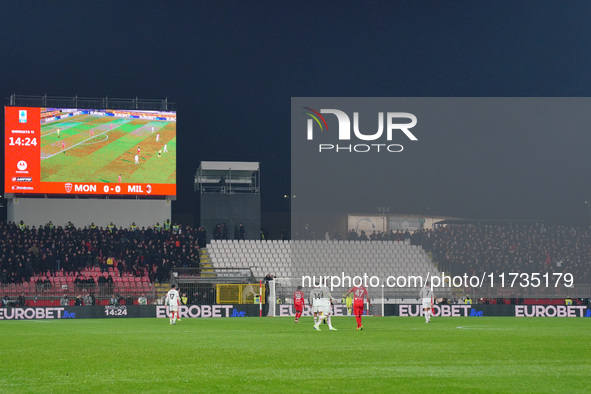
(487, 221)
(91, 102)
(230, 165)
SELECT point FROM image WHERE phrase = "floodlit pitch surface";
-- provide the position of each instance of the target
(99, 148)
(496, 354)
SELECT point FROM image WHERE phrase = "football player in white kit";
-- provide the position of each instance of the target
(172, 300)
(321, 299)
(427, 297)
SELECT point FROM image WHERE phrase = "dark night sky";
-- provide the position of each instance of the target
(231, 67)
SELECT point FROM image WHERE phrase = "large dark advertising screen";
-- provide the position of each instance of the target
(89, 151)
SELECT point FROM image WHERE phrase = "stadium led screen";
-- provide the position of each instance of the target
(90, 151)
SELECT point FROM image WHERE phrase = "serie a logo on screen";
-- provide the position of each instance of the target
(373, 144)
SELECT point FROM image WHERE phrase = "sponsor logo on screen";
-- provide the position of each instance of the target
(198, 311)
(33, 313)
(21, 165)
(22, 179)
(22, 116)
(550, 311)
(396, 124)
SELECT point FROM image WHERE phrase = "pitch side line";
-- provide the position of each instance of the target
(79, 143)
(62, 129)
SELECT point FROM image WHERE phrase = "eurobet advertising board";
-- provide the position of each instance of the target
(87, 151)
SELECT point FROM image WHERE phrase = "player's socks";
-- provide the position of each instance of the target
(330, 327)
(315, 320)
(317, 325)
(358, 319)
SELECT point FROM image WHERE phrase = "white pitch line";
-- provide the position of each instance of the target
(98, 142)
(62, 129)
(79, 143)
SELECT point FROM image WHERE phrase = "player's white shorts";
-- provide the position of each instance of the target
(324, 310)
(427, 303)
(173, 308)
(321, 307)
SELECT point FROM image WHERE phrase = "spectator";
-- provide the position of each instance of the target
(498, 248)
(242, 232)
(21, 300)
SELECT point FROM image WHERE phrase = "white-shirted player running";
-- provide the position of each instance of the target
(321, 300)
(427, 297)
(172, 300)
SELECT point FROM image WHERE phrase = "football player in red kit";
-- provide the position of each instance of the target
(359, 296)
(298, 303)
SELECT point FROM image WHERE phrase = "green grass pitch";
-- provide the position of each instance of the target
(109, 151)
(455, 355)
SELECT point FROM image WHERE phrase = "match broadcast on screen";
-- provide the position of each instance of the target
(90, 151)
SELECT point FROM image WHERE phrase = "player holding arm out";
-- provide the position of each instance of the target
(427, 296)
(359, 295)
(298, 303)
(172, 300)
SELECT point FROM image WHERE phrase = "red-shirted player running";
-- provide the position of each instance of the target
(359, 295)
(298, 303)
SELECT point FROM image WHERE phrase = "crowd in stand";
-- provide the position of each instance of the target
(391, 235)
(42, 251)
(532, 248)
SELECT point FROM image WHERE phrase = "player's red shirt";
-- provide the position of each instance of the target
(298, 298)
(359, 293)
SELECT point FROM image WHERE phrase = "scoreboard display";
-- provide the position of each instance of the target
(89, 151)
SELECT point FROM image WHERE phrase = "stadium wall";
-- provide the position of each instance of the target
(231, 209)
(132, 311)
(477, 310)
(224, 311)
(82, 212)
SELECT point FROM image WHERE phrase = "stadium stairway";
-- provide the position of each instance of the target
(206, 265)
(160, 289)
